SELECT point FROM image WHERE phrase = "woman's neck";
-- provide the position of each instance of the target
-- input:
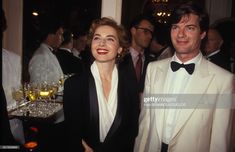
(105, 70)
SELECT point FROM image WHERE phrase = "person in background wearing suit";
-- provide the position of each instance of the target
(212, 49)
(100, 106)
(193, 127)
(79, 43)
(137, 59)
(160, 46)
(68, 62)
(44, 66)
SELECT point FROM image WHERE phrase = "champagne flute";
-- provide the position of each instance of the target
(32, 92)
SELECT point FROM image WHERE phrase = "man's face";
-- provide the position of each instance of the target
(214, 41)
(142, 34)
(186, 37)
(58, 38)
(80, 43)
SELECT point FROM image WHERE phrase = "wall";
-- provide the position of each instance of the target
(12, 39)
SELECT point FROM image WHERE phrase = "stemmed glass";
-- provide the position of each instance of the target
(18, 95)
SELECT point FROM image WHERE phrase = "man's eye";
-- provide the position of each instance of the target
(191, 28)
(174, 27)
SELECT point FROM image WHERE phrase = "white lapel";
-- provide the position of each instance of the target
(158, 88)
(198, 85)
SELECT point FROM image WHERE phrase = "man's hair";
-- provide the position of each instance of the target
(187, 8)
(161, 34)
(139, 18)
(67, 36)
(49, 25)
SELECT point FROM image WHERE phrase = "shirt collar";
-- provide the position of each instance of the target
(213, 53)
(135, 53)
(195, 60)
(63, 48)
(49, 47)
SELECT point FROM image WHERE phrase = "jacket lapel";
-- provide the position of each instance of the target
(201, 75)
(94, 109)
(118, 116)
(160, 80)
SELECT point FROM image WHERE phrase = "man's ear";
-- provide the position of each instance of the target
(133, 30)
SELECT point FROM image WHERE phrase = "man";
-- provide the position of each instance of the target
(192, 128)
(160, 46)
(68, 62)
(141, 30)
(44, 66)
(212, 49)
(79, 44)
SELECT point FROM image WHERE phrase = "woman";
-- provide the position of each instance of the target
(101, 108)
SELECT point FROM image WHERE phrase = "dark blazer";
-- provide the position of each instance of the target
(68, 62)
(221, 59)
(5, 131)
(130, 68)
(82, 114)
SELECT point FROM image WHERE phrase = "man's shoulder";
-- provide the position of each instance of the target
(217, 70)
(160, 62)
(9, 53)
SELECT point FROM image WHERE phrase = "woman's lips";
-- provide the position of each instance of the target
(102, 51)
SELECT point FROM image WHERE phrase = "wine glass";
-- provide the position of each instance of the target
(17, 95)
(44, 92)
(54, 87)
(32, 92)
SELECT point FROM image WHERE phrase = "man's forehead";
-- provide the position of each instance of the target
(146, 23)
(189, 18)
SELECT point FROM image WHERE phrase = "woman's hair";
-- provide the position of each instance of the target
(121, 32)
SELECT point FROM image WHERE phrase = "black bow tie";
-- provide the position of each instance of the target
(188, 67)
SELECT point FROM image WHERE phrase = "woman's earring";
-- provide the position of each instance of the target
(118, 55)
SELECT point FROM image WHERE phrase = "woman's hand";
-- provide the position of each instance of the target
(86, 147)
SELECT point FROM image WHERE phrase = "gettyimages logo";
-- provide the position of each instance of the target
(189, 101)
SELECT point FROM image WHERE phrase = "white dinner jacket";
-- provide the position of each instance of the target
(197, 130)
(44, 66)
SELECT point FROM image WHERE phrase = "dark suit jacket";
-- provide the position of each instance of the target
(128, 64)
(68, 62)
(82, 114)
(221, 60)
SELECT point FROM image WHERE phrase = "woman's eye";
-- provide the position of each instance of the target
(96, 38)
(110, 39)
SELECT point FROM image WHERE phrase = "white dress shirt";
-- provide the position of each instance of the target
(176, 84)
(107, 107)
(135, 56)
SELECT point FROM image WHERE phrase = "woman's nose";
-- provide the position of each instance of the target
(102, 42)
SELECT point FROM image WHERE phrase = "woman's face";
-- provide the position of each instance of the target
(105, 44)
